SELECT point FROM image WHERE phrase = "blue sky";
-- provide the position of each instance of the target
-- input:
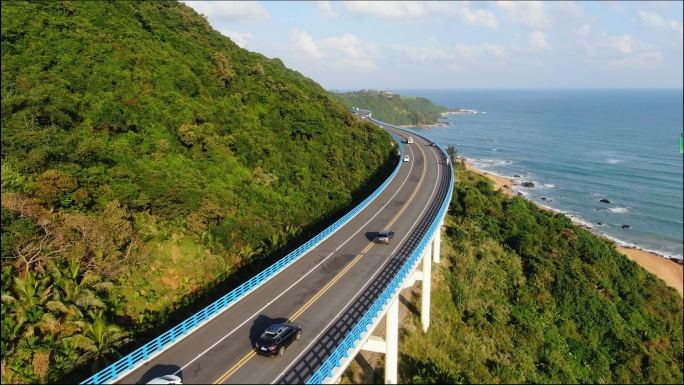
(345, 45)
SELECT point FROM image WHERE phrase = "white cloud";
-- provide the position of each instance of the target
(652, 19)
(616, 5)
(536, 40)
(305, 43)
(232, 11)
(622, 52)
(454, 56)
(423, 11)
(325, 9)
(423, 54)
(346, 51)
(349, 45)
(653, 5)
(238, 38)
(481, 17)
(641, 61)
(625, 44)
(536, 15)
(583, 31)
(387, 9)
(529, 14)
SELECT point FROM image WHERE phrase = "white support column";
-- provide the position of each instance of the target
(436, 243)
(427, 278)
(392, 342)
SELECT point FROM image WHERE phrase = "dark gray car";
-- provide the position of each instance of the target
(384, 236)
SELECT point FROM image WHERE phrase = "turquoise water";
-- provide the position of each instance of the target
(577, 147)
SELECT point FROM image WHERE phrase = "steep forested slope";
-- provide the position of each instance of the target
(525, 296)
(394, 109)
(146, 157)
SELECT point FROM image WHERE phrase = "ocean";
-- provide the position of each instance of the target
(578, 147)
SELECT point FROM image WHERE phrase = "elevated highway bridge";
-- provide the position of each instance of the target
(338, 289)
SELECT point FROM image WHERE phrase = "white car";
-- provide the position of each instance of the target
(167, 379)
(406, 158)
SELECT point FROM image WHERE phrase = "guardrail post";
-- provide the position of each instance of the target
(425, 290)
(392, 342)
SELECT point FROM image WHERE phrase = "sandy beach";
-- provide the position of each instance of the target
(669, 271)
(500, 183)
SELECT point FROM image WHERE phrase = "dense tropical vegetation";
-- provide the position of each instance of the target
(148, 165)
(525, 296)
(393, 108)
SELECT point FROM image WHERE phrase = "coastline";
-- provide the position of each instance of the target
(440, 124)
(669, 271)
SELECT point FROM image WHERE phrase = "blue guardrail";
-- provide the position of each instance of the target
(158, 344)
(366, 321)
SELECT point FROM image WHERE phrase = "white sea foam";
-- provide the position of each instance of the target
(583, 222)
(614, 161)
(493, 149)
(622, 243)
(487, 164)
(549, 185)
(618, 210)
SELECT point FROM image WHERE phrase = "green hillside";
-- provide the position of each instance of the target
(147, 159)
(393, 108)
(524, 296)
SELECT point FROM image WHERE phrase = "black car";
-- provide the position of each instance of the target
(384, 236)
(277, 338)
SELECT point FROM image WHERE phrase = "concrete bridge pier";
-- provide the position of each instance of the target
(425, 290)
(436, 243)
(392, 338)
(390, 344)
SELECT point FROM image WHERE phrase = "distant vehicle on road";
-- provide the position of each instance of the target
(406, 158)
(384, 236)
(277, 338)
(167, 379)
(409, 140)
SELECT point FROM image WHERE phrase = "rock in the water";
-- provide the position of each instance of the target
(604, 201)
(516, 176)
(626, 226)
(543, 198)
(600, 224)
(527, 184)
